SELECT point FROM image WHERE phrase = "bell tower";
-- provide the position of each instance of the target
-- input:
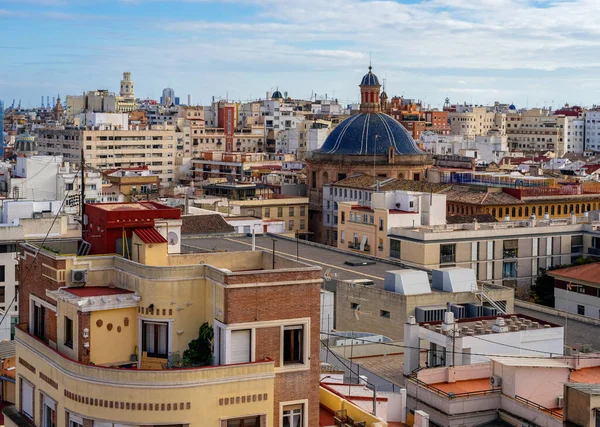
(369, 93)
(127, 86)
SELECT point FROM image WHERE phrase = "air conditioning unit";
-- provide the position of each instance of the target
(495, 381)
(560, 402)
(79, 276)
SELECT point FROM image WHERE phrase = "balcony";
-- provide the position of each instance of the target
(120, 377)
(356, 247)
(594, 251)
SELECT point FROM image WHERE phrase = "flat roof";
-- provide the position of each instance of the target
(136, 206)
(467, 386)
(329, 259)
(530, 362)
(586, 375)
(96, 291)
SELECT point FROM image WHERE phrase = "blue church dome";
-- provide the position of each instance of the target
(363, 133)
(370, 79)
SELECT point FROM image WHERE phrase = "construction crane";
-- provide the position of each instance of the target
(47, 102)
(42, 101)
(19, 107)
(12, 107)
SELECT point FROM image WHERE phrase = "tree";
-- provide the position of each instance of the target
(199, 352)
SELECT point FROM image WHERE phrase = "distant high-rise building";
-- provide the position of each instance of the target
(1, 130)
(168, 97)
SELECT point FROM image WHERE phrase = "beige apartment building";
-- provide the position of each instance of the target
(114, 148)
(292, 210)
(536, 131)
(507, 253)
(476, 121)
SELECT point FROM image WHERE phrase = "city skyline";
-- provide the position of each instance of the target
(531, 53)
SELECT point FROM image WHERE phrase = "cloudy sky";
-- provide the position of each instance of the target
(530, 52)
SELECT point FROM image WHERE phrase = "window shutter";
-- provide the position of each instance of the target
(27, 399)
(240, 346)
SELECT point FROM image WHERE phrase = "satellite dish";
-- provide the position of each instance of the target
(173, 238)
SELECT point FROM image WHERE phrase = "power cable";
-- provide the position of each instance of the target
(39, 249)
(467, 353)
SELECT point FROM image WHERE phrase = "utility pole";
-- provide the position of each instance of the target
(274, 253)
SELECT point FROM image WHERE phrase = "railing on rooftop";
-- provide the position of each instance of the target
(540, 407)
(450, 395)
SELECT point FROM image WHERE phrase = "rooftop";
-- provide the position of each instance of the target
(586, 375)
(481, 197)
(205, 224)
(367, 182)
(466, 386)
(128, 207)
(96, 291)
(321, 256)
(589, 273)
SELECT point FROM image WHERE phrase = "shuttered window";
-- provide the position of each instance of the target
(240, 346)
(26, 398)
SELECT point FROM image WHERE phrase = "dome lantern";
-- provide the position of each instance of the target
(369, 93)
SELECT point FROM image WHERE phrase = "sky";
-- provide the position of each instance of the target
(527, 52)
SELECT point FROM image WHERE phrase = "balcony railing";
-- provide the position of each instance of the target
(539, 407)
(135, 377)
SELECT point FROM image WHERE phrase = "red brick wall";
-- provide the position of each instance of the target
(84, 322)
(267, 344)
(32, 282)
(256, 304)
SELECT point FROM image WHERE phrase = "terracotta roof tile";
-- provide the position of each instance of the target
(585, 273)
(367, 182)
(205, 224)
(481, 198)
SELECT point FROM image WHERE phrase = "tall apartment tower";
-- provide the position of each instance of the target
(127, 86)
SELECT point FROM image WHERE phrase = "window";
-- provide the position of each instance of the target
(155, 339)
(580, 310)
(267, 212)
(380, 224)
(27, 399)
(511, 249)
(302, 224)
(292, 344)
(395, 249)
(75, 421)
(303, 210)
(291, 211)
(241, 342)
(68, 332)
(509, 270)
(292, 416)
(384, 313)
(2, 268)
(291, 225)
(244, 422)
(279, 212)
(447, 254)
(39, 314)
(342, 237)
(48, 412)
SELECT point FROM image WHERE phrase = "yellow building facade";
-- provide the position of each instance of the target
(111, 351)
